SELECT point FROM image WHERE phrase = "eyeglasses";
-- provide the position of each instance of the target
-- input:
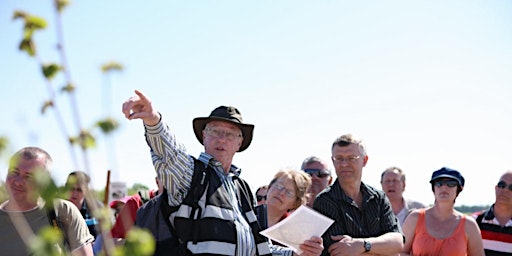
(319, 173)
(259, 198)
(502, 185)
(281, 188)
(350, 159)
(217, 133)
(449, 183)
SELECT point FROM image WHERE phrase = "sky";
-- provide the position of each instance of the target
(426, 84)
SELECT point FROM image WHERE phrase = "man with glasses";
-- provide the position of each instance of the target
(226, 205)
(392, 181)
(496, 222)
(364, 219)
(320, 176)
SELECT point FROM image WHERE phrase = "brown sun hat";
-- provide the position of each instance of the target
(226, 114)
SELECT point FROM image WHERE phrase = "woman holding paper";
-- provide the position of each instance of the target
(286, 192)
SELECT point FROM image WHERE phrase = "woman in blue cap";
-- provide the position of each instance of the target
(440, 229)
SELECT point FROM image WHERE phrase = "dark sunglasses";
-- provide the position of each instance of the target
(259, 198)
(449, 183)
(319, 173)
(502, 184)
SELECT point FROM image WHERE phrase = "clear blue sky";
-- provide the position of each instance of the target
(425, 83)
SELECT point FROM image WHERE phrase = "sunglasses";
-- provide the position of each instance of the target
(449, 183)
(319, 173)
(259, 198)
(502, 185)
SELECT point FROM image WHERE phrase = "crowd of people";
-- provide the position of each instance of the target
(204, 207)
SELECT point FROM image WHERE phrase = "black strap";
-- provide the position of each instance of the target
(54, 221)
(198, 187)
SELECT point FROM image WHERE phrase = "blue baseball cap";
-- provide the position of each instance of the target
(446, 172)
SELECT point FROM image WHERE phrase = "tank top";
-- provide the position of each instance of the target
(425, 244)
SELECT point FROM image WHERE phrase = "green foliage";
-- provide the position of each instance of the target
(108, 125)
(111, 66)
(68, 88)
(47, 104)
(85, 140)
(61, 4)
(44, 244)
(4, 142)
(139, 242)
(51, 70)
(31, 24)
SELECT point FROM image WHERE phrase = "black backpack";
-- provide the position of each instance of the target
(157, 210)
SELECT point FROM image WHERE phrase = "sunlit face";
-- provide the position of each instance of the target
(504, 195)
(218, 141)
(350, 168)
(282, 194)
(76, 195)
(445, 192)
(318, 183)
(393, 185)
(20, 184)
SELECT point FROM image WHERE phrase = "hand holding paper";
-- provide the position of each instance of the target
(300, 226)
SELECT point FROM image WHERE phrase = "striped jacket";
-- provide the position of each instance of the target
(210, 229)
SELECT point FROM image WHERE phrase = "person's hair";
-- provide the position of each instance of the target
(260, 188)
(31, 153)
(302, 182)
(347, 139)
(310, 160)
(390, 169)
(79, 178)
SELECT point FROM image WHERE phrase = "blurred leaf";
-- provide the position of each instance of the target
(68, 88)
(27, 45)
(19, 15)
(45, 243)
(61, 4)
(107, 125)
(111, 66)
(50, 70)
(34, 22)
(4, 142)
(47, 104)
(87, 140)
(139, 242)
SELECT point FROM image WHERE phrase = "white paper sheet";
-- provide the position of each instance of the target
(300, 226)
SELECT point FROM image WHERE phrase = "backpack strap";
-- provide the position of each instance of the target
(197, 189)
(199, 184)
(51, 214)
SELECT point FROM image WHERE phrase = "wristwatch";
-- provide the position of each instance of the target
(367, 246)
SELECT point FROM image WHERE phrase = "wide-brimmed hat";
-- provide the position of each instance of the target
(446, 172)
(226, 114)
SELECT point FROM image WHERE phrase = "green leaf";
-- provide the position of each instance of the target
(68, 88)
(19, 15)
(47, 104)
(61, 4)
(50, 70)
(28, 46)
(44, 243)
(87, 140)
(108, 125)
(4, 142)
(139, 242)
(34, 22)
(111, 66)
